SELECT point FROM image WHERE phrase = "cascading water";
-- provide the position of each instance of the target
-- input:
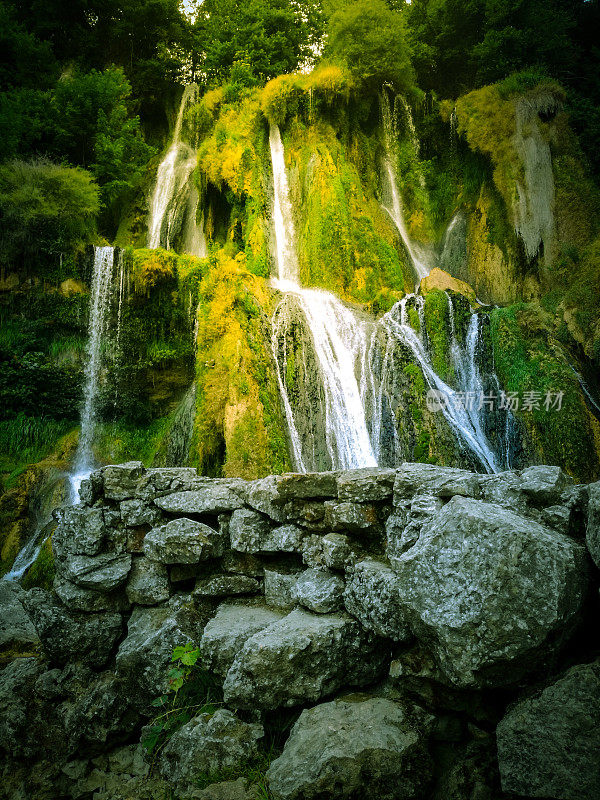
(346, 362)
(337, 337)
(100, 302)
(172, 199)
(392, 201)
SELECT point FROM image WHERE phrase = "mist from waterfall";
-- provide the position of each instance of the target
(175, 200)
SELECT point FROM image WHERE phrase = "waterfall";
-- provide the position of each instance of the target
(392, 200)
(171, 196)
(283, 220)
(466, 422)
(335, 367)
(100, 301)
(337, 337)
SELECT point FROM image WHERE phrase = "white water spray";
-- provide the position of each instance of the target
(100, 299)
(170, 199)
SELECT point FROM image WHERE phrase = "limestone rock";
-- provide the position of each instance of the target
(413, 479)
(76, 598)
(306, 486)
(225, 634)
(490, 592)
(404, 527)
(148, 582)
(208, 743)
(104, 572)
(366, 485)
(17, 680)
(135, 512)
(337, 552)
(17, 632)
(438, 279)
(183, 541)
(352, 748)
(248, 530)
(226, 790)
(302, 658)
(544, 484)
(144, 656)
(225, 586)
(121, 481)
(374, 596)
(280, 588)
(70, 637)
(212, 498)
(353, 517)
(592, 536)
(81, 531)
(319, 590)
(549, 743)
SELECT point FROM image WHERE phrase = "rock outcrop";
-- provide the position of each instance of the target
(422, 587)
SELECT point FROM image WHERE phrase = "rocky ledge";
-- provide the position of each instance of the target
(413, 633)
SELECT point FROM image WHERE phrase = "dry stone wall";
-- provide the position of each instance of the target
(425, 591)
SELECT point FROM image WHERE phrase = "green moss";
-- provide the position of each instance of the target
(528, 360)
(438, 332)
(42, 571)
(119, 441)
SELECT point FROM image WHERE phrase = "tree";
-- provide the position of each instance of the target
(371, 40)
(273, 37)
(45, 209)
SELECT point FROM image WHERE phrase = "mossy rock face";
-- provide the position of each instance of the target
(239, 429)
(529, 359)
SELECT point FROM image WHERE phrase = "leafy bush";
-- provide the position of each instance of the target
(45, 209)
(371, 40)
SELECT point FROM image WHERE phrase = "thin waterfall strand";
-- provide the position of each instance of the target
(100, 298)
(172, 182)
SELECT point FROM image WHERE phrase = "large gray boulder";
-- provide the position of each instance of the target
(148, 583)
(251, 532)
(374, 596)
(544, 484)
(413, 479)
(280, 587)
(81, 531)
(104, 572)
(355, 748)
(68, 636)
(212, 498)
(76, 598)
(208, 744)
(121, 480)
(491, 593)
(183, 541)
(592, 536)
(319, 590)
(226, 633)
(549, 743)
(366, 485)
(144, 656)
(303, 658)
(17, 632)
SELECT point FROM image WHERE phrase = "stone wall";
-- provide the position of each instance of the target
(396, 617)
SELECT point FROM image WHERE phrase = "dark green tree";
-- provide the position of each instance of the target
(371, 40)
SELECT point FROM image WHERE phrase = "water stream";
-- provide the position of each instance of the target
(100, 303)
(352, 358)
(174, 203)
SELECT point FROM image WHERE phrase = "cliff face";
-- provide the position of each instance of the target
(491, 189)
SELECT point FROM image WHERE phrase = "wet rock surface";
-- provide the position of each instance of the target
(456, 603)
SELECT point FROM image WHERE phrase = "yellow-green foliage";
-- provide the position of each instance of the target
(529, 359)
(229, 155)
(346, 243)
(488, 121)
(284, 96)
(155, 268)
(239, 428)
